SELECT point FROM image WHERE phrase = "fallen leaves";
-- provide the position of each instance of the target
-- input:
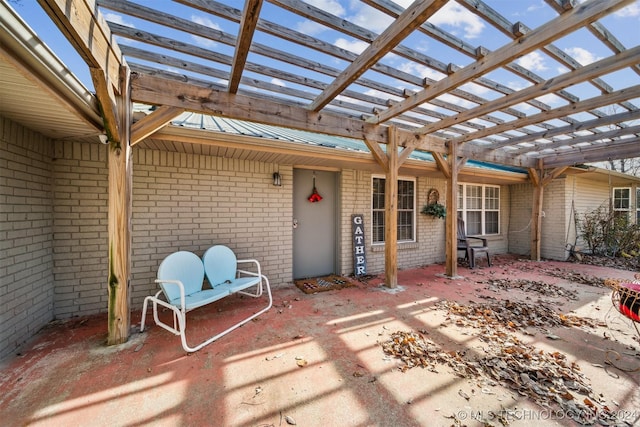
(512, 315)
(546, 378)
(540, 288)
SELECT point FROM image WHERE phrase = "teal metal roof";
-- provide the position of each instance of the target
(258, 130)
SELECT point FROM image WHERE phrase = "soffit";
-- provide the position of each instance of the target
(36, 89)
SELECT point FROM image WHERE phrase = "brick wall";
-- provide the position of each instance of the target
(80, 173)
(191, 202)
(26, 234)
(429, 247)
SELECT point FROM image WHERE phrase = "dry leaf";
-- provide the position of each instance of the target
(290, 420)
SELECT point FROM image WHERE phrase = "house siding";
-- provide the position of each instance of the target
(26, 235)
(554, 221)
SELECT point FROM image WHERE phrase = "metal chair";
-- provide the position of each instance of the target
(471, 250)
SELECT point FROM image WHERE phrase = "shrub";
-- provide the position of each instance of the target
(608, 233)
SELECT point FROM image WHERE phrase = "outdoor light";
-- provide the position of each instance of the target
(277, 179)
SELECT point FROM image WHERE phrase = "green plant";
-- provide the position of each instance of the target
(434, 209)
(606, 233)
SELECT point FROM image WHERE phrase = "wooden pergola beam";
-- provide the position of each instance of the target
(555, 29)
(250, 16)
(89, 34)
(589, 125)
(604, 66)
(620, 149)
(611, 134)
(153, 90)
(411, 18)
(588, 104)
(377, 153)
(442, 164)
(153, 122)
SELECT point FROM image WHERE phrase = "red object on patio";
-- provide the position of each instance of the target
(628, 300)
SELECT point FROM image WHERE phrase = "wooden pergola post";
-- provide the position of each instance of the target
(536, 213)
(119, 230)
(81, 24)
(391, 212)
(451, 224)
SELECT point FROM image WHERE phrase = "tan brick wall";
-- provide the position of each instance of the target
(356, 198)
(26, 234)
(191, 202)
(80, 228)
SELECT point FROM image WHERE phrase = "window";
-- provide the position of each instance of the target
(621, 202)
(406, 210)
(637, 205)
(479, 206)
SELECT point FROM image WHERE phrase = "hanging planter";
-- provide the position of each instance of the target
(433, 208)
(315, 196)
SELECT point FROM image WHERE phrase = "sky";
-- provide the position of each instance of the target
(453, 18)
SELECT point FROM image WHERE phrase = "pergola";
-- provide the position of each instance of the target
(335, 91)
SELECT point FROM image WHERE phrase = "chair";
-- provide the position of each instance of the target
(181, 277)
(471, 250)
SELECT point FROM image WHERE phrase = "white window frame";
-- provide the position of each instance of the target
(413, 211)
(616, 209)
(464, 209)
(638, 205)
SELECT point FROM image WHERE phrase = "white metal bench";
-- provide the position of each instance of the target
(181, 277)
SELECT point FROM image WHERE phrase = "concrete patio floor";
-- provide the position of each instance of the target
(316, 360)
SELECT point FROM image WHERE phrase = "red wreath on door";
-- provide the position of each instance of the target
(315, 196)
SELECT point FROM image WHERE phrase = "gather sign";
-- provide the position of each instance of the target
(359, 256)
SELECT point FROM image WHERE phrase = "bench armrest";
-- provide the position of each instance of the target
(180, 286)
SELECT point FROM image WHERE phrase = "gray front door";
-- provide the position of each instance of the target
(314, 233)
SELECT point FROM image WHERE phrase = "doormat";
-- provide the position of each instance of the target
(321, 284)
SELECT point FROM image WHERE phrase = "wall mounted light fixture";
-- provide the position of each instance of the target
(277, 179)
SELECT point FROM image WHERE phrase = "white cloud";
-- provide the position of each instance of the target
(310, 28)
(452, 99)
(118, 19)
(278, 82)
(630, 11)
(371, 19)
(533, 61)
(456, 16)
(201, 41)
(355, 46)
(535, 7)
(474, 88)
(583, 56)
(421, 70)
(330, 5)
(551, 99)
